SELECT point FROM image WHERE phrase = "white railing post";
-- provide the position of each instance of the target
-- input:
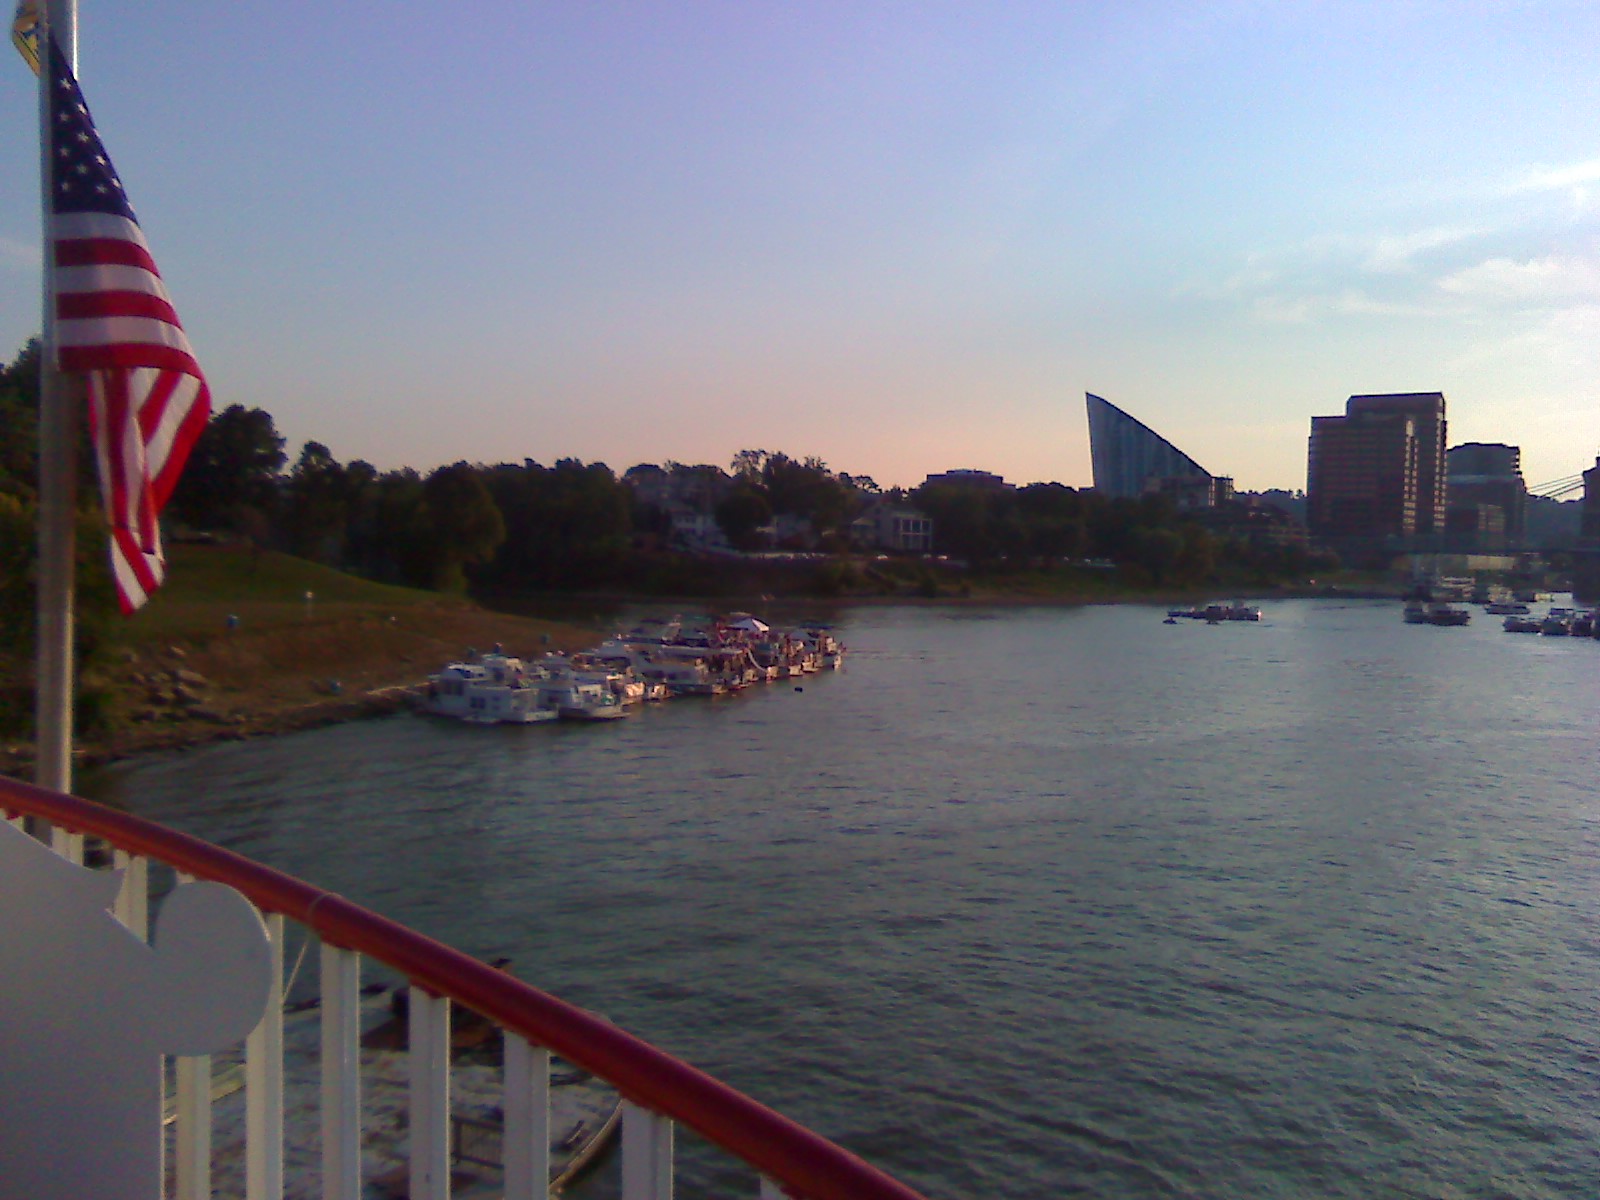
(132, 905)
(263, 1084)
(429, 1035)
(192, 1163)
(192, 1157)
(646, 1154)
(341, 1074)
(525, 1139)
(68, 845)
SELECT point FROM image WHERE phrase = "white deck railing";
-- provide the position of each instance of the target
(658, 1092)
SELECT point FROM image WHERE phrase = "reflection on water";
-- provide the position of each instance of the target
(1050, 901)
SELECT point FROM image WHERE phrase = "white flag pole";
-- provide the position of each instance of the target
(58, 438)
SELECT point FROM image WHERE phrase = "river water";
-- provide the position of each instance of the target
(1038, 902)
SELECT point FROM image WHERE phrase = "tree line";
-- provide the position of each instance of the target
(511, 527)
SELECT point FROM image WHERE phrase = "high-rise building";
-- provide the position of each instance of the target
(1129, 458)
(1378, 471)
(1427, 410)
(1484, 475)
(1589, 514)
(1361, 478)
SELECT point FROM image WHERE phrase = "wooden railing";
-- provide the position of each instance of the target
(658, 1091)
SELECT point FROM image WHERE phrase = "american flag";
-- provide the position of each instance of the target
(148, 401)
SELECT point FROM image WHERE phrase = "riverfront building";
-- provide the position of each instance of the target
(1586, 559)
(1486, 498)
(1130, 459)
(889, 526)
(969, 477)
(1377, 474)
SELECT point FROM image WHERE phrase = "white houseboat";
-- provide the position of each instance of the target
(493, 690)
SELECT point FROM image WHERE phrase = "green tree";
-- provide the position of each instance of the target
(387, 538)
(96, 619)
(1198, 557)
(19, 421)
(463, 523)
(233, 468)
(702, 485)
(805, 489)
(316, 505)
(747, 465)
(1053, 517)
(570, 525)
(964, 522)
(741, 513)
(1158, 551)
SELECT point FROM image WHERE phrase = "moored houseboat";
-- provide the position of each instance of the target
(494, 690)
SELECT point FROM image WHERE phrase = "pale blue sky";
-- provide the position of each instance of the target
(902, 237)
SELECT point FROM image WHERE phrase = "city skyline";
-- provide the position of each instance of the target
(897, 238)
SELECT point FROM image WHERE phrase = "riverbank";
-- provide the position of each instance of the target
(268, 676)
(224, 667)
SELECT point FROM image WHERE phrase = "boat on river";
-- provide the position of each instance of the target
(657, 660)
(492, 690)
(1557, 622)
(576, 699)
(1506, 608)
(1435, 612)
(1215, 614)
(726, 654)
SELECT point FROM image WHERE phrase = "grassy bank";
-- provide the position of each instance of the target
(232, 647)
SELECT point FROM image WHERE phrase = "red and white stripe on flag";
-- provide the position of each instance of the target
(148, 400)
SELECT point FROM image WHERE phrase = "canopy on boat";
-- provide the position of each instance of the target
(746, 621)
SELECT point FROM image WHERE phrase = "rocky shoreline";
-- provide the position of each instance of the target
(261, 680)
(201, 727)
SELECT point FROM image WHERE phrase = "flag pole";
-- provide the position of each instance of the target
(58, 438)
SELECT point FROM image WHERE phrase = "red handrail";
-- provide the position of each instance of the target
(805, 1163)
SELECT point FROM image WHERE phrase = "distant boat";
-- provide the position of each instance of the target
(492, 690)
(1557, 623)
(575, 699)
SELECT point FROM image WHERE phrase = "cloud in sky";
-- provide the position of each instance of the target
(1549, 179)
(1378, 274)
(1548, 281)
(1350, 302)
(1398, 253)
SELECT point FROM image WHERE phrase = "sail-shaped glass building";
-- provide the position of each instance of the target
(1127, 454)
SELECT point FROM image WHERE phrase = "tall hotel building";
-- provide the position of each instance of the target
(1378, 472)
